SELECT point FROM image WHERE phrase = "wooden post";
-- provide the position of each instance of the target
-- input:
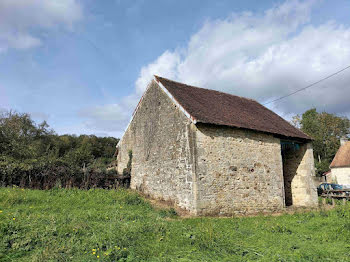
(323, 201)
(344, 200)
(333, 202)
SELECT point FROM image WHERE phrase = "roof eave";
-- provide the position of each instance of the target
(302, 139)
(340, 166)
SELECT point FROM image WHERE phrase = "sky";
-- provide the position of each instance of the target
(82, 65)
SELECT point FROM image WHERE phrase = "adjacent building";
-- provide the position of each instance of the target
(340, 166)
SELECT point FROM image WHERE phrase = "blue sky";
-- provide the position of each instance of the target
(82, 65)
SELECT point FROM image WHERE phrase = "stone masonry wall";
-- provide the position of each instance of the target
(162, 150)
(298, 167)
(238, 171)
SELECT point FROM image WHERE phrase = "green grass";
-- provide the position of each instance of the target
(108, 225)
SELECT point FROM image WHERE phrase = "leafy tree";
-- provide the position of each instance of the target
(34, 152)
(326, 129)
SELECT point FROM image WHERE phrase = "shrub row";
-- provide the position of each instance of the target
(38, 174)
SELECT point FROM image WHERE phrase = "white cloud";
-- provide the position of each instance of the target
(166, 64)
(108, 117)
(263, 57)
(19, 19)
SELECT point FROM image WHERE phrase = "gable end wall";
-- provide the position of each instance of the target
(158, 136)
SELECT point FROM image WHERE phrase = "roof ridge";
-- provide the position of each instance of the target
(177, 82)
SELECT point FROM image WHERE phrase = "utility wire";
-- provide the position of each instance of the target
(306, 87)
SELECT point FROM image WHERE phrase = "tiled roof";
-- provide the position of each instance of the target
(342, 157)
(214, 107)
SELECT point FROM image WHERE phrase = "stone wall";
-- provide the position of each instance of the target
(239, 171)
(341, 175)
(162, 150)
(298, 169)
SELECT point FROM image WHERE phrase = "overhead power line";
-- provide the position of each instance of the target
(306, 87)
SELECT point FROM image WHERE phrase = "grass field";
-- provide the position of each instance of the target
(103, 225)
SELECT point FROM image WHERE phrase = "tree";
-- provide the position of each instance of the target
(30, 151)
(326, 129)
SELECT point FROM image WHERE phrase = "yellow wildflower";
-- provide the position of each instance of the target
(93, 249)
(14, 218)
(98, 256)
(0, 211)
(94, 253)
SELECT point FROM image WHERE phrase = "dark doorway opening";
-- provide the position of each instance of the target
(290, 160)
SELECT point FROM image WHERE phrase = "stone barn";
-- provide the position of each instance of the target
(213, 153)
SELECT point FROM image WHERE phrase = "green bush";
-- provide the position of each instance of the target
(34, 156)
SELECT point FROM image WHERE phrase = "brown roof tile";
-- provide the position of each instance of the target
(214, 107)
(342, 157)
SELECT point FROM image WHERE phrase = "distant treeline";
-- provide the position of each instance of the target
(33, 155)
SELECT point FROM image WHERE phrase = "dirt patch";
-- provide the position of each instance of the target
(164, 204)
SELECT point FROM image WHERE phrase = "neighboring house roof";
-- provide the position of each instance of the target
(342, 157)
(214, 107)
